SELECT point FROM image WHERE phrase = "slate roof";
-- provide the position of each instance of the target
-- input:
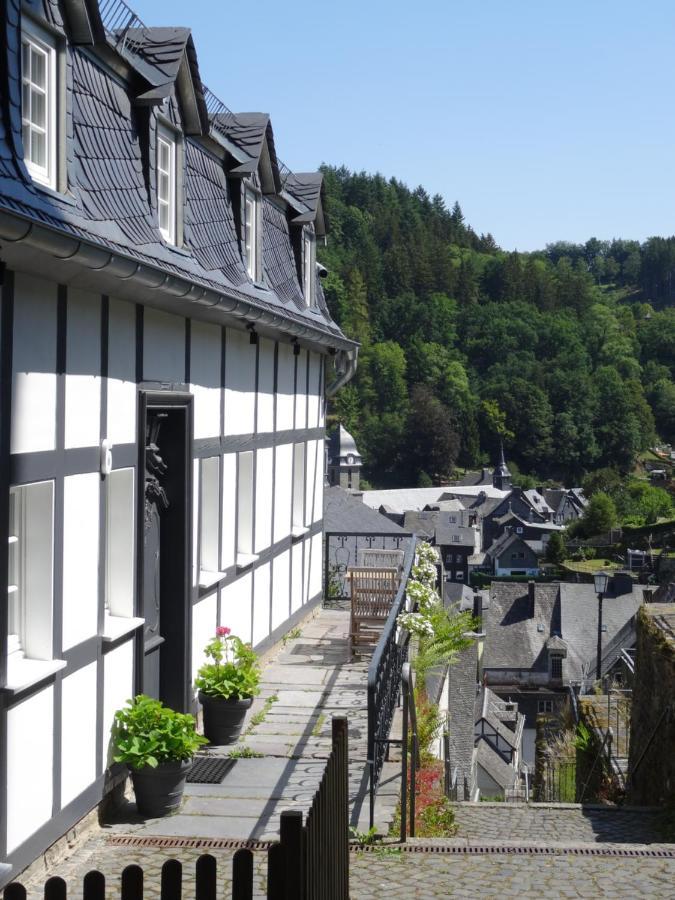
(110, 205)
(462, 691)
(456, 593)
(538, 502)
(505, 541)
(512, 639)
(510, 515)
(446, 532)
(401, 500)
(342, 512)
(500, 771)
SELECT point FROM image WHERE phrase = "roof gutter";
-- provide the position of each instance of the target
(345, 369)
(20, 230)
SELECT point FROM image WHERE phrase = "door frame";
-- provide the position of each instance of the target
(178, 612)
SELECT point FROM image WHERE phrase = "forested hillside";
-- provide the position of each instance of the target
(567, 355)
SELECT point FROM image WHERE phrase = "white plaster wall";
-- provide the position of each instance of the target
(83, 369)
(205, 355)
(78, 733)
(307, 543)
(296, 575)
(261, 603)
(263, 498)
(266, 386)
(285, 387)
(30, 765)
(301, 392)
(281, 601)
(204, 620)
(118, 687)
(313, 393)
(315, 567)
(228, 547)
(235, 607)
(240, 357)
(163, 346)
(80, 557)
(121, 372)
(34, 365)
(283, 491)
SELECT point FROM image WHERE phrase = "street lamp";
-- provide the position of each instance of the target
(601, 580)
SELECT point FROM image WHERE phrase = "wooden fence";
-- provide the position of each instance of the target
(309, 862)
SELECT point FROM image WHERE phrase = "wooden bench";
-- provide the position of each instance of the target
(372, 594)
(380, 559)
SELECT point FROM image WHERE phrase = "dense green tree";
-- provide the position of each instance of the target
(600, 515)
(556, 550)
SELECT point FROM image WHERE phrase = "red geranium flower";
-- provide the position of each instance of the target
(222, 631)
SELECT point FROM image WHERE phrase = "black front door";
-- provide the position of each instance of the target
(156, 503)
(165, 548)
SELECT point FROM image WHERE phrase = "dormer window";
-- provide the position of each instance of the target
(252, 233)
(166, 184)
(308, 265)
(38, 104)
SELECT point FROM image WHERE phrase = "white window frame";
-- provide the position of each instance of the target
(209, 515)
(308, 265)
(168, 139)
(545, 706)
(120, 537)
(31, 585)
(245, 507)
(38, 41)
(298, 500)
(251, 232)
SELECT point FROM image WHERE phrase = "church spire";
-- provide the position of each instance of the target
(501, 478)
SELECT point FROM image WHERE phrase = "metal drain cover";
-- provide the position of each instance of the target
(209, 770)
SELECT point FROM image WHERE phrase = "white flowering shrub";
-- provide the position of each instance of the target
(416, 623)
(422, 594)
(424, 552)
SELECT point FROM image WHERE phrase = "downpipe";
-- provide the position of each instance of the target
(345, 364)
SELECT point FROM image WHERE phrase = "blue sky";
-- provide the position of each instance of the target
(547, 121)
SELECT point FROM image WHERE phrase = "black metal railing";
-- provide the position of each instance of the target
(556, 781)
(384, 681)
(118, 18)
(309, 862)
(409, 748)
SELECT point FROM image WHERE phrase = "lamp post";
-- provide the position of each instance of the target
(601, 580)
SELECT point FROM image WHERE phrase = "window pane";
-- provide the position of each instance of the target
(163, 186)
(38, 74)
(38, 150)
(25, 60)
(163, 156)
(38, 109)
(25, 132)
(164, 216)
(25, 100)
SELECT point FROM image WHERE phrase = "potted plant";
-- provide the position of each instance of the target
(227, 685)
(157, 744)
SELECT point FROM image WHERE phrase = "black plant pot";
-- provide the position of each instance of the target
(159, 791)
(223, 719)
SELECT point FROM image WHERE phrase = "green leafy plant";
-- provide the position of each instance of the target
(583, 740)
(147, 733)
(364, 838)
(259, 717)
(245, 753)
(234, 672)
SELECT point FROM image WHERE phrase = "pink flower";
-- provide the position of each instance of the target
(222, 631)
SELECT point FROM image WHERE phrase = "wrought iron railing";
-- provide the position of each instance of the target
(216, 107)
(341, 550)
(118, 18)
(409, 748)
(384, 681)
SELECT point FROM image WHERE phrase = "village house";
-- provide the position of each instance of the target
(164, 362)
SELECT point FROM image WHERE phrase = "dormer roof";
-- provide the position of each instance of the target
(307, 187)
(251, 133)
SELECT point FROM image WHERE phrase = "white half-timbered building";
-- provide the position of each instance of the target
(165, 355)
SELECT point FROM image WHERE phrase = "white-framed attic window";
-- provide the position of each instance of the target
(30, 589)
(308, 265)
(167, 186)
(120, 537)
(252, 233)
(39, 103)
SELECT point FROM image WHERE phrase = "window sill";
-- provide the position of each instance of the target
(298, 531)
(208, 579)
(244, 560)
(115, 627)
(24, 673)
(53, 192)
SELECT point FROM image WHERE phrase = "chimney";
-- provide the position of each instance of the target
(478, 610)
(531, 587)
